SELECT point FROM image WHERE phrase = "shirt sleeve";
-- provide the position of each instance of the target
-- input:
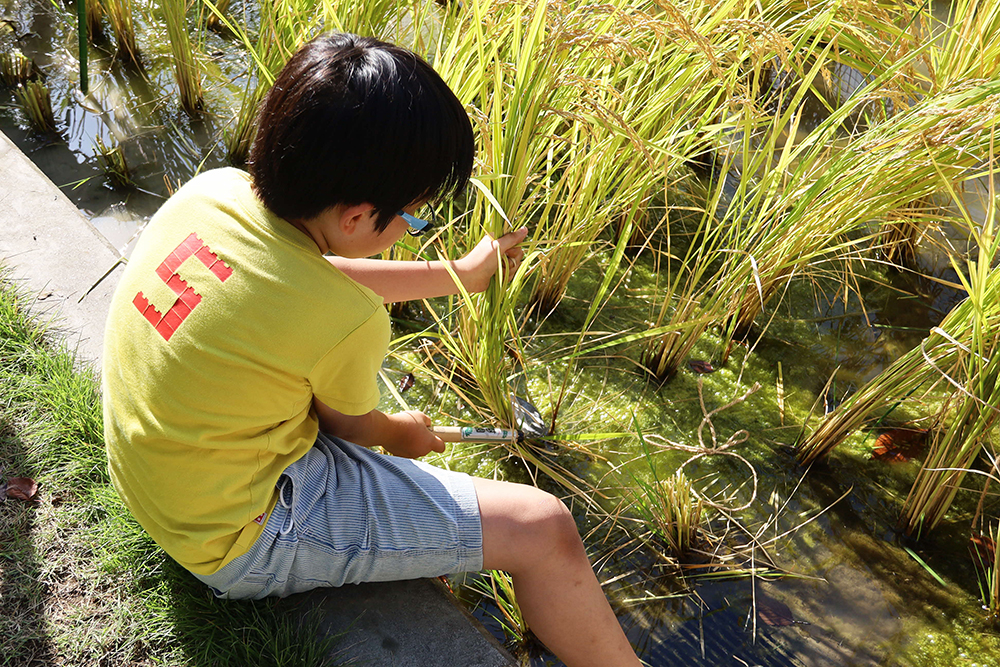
(346, 377)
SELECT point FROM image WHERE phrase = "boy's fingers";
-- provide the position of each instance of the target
(516, 253)
(511, 239)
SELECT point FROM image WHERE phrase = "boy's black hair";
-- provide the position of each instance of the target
(351, 120)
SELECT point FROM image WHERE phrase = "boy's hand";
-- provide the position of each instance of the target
(409, 435)
(477, 267)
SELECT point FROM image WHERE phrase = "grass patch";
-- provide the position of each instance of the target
(80, 582)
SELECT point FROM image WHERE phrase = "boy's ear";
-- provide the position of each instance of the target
(352, 216)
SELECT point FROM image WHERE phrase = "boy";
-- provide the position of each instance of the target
(243, 345)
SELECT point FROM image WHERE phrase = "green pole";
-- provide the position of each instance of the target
(81, 30)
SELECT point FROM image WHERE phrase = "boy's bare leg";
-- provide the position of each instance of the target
(532, 535)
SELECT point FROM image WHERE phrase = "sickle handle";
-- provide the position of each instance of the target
(473, 434)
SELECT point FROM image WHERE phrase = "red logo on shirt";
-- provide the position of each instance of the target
(187, 298)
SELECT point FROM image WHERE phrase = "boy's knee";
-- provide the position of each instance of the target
(552, 524)
(524, 527)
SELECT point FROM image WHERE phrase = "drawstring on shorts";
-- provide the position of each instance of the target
(290, 520)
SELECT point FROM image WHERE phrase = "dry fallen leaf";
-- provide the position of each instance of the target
(699, 366)
(899, 445)
(22, 488)
(407, 382)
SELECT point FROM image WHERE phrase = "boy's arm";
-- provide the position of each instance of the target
(403, 433)
(411, 280)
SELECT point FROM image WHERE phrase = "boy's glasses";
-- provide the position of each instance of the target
(419, 225)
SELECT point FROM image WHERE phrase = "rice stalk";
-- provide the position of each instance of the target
(671, 510)
(939, 354)
(94, 13)
(119, 13)
(577, 130)
(37, 104)
(186, 70)
(239, 138)
(630, 127)
(953, 450)
(797, 200)
(901, 233)
(376, 18)
(284, 26)
(500, 57)
(696, 296)
(663, 355)
(962, 351)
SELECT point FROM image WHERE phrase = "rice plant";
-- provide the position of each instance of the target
(938, 356)
(119, 13)
(962, 355)
(569, 113)
(629, 129)
(678, 514)
(902, 231)
(15, 68)
(37, 104)
(953, 450)
(966, 51)
(806, 196)
(930, 148)
(753, 142)
(970, 414)
(114, 164)
(186, 70)
(500, 58)
(93, 18)
(498, 586)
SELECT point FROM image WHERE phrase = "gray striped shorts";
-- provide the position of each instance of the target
(347, 514)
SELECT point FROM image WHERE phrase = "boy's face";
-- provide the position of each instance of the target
(350, 231)
(369, 242)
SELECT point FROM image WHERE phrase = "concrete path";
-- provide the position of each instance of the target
(70, 271)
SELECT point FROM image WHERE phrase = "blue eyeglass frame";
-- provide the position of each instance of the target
(417, 225)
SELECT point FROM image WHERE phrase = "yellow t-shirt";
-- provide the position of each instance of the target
(226, 322)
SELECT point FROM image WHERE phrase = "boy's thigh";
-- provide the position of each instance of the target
(356, 516)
